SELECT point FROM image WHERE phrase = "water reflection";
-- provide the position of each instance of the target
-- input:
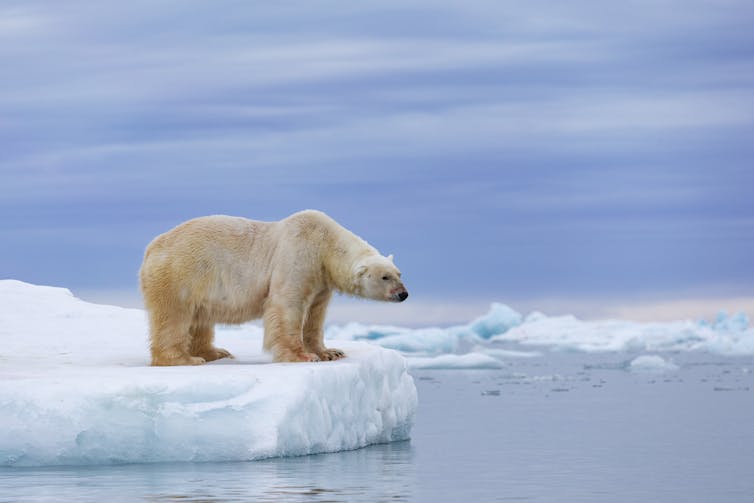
(497, 435)
(376, 473)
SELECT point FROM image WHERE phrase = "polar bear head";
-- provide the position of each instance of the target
(379, 279)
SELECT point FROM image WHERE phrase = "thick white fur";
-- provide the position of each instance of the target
(222, 269)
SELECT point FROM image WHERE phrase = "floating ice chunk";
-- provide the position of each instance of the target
(75, 389)
(498, 320)
(652, 363)
(464, 361)
(737, 322)
(95, 415)
(534, 316)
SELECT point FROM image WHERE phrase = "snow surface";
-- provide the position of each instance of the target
(75, 388)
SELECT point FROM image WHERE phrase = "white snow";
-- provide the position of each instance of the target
(498, 320)
(75, 388)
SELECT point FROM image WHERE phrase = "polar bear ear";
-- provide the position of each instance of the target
(361, 270)
(390, 257)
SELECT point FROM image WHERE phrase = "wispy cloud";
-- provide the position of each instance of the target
(517, 147)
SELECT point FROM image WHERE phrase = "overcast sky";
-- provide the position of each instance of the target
(561, 155)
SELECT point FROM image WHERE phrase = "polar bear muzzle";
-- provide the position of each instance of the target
(399, 294)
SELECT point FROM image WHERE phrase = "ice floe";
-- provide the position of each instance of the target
(75, 388)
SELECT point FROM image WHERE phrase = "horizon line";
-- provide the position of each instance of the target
(446, 311)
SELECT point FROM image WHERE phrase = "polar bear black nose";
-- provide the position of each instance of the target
(403, 296)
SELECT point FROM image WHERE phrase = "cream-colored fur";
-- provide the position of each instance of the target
(222, 269)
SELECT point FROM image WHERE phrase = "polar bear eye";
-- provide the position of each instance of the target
(385, 278)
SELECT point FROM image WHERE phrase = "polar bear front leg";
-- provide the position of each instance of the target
(314, 329)
(283, 333)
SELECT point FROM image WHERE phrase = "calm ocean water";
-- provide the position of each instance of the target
(563, 427)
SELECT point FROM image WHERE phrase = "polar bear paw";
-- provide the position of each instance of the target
(331, 354)
(304, 356)
(162, 361)
(213, 354)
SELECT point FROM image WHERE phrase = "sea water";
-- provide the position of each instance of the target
(561, 427)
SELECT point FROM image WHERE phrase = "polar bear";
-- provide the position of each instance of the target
(223, 269)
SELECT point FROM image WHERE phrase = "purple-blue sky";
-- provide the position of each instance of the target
(573, 154)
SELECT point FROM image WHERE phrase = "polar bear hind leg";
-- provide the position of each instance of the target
(169, 340)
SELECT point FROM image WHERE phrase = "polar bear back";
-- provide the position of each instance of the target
(218, 264)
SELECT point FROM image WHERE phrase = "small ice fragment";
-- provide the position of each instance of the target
(652, 363)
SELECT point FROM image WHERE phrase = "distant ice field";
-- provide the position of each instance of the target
(503, 334)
